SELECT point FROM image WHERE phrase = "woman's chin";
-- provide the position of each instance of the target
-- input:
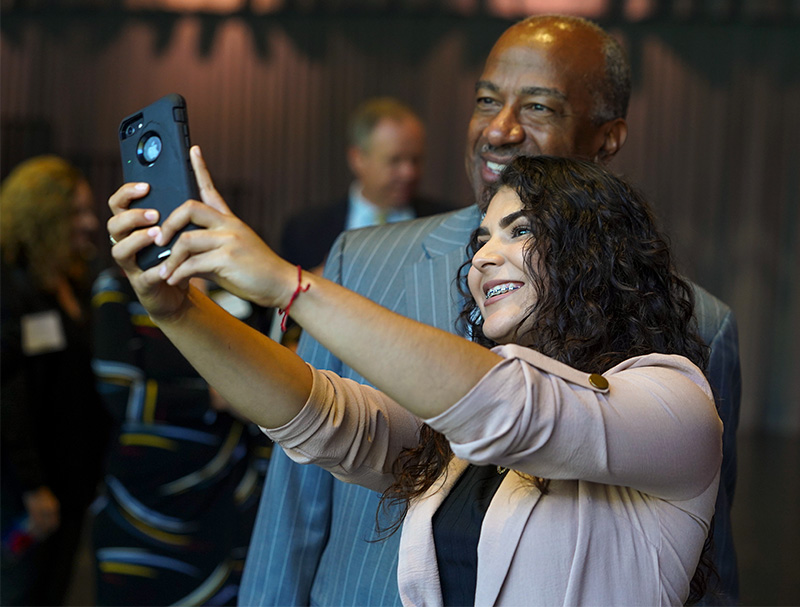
(501, 338)
(505, 333)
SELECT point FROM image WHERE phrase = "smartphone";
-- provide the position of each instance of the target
(155, 143)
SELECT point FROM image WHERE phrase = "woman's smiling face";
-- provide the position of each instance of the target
(498, 277)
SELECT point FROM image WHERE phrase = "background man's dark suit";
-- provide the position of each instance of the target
(309, 235)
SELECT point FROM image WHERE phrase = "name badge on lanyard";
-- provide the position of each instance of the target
(42, 333)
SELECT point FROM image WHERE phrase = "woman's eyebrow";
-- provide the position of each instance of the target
(511, 218)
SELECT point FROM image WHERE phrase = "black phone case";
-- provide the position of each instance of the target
(169, 172)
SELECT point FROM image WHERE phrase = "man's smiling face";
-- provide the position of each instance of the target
(535, 97)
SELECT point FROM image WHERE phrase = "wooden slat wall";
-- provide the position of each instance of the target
(714, 131)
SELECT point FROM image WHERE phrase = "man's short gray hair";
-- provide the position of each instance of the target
(369, 113)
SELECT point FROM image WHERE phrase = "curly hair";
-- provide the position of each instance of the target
(606, 286)
(36, 205)
(606, 290)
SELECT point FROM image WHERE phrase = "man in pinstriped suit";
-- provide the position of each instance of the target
(551, 85)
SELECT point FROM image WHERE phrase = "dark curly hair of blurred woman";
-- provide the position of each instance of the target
(607, 290)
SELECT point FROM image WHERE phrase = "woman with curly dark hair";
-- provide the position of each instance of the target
(574, 462)
(605, 289)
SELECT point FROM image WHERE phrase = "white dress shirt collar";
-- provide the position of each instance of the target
(362, 213)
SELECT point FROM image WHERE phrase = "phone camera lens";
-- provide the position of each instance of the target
(130, 130)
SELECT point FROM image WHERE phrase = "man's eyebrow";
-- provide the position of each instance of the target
(485, 84)
(542, 90)
(526, 90)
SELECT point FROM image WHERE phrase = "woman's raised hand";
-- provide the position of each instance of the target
(129, 233)
(226, 251)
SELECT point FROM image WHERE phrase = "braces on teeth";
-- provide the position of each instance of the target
(500, 289)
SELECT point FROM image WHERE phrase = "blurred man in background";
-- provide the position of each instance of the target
(385, 153)
(386, 149)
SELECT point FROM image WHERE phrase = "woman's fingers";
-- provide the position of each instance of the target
(125, 220)
(121, 199)
(200, 253)
(234, 257)
(208, 192)
(224, 249)
(194, 212)
(121, 226)
(199, 264)
(124, 252)
(132, 230)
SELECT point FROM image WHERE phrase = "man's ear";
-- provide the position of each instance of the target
(615, 133)
(355, 160)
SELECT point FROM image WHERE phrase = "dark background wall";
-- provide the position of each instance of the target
(714, 122)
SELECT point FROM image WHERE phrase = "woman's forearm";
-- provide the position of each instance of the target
(424, 369)
(262, 380)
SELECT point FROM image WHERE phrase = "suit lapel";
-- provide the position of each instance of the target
(431, 285)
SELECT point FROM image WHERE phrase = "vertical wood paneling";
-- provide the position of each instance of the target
(714, 133)
(713, 146)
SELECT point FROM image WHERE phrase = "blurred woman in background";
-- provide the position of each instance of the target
(53, 424)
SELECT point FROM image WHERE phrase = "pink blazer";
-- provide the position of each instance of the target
(634, 470)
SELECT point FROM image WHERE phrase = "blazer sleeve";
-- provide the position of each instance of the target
(352, 430)
(347, 428)
(289, 535)
(654, 429)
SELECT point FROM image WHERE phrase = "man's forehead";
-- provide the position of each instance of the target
(546, 41)
(527, 74)
(549, 68)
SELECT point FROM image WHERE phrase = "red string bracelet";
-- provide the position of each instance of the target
(300, 289)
